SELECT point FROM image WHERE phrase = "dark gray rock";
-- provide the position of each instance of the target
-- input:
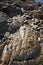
(3, 23)
(28, 55)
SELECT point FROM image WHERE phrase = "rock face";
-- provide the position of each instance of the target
(21, 34)
(3, 23)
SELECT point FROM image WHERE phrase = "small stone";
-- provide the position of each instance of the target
(7, 34)
(39, 39)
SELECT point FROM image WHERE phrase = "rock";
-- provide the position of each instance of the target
(22, 31)
(3, 23)
(14, 24)
(0, 41)
(9, 21)
(37, 21)
(41, 31)
(41, 21)
(33, 19)
(3, 17)
(7, 34)
(40, 28)
(12, 11)
(39, 39)
(28, 16)
(6, 54)
(23, 53)
(22, 10)
(5, 37)
(32, 24)
(35, 27)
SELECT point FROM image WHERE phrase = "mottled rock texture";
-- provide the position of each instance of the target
(21, 33)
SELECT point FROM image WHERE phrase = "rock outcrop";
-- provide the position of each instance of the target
(21, 33)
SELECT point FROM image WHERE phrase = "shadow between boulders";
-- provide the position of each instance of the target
(12, 11)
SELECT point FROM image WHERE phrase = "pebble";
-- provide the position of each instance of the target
(39, 39)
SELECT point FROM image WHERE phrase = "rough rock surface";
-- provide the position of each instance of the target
(21, 33)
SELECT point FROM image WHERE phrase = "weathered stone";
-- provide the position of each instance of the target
(21, 33)
(3, 23)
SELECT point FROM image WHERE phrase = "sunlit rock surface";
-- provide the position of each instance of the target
(21, 33)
